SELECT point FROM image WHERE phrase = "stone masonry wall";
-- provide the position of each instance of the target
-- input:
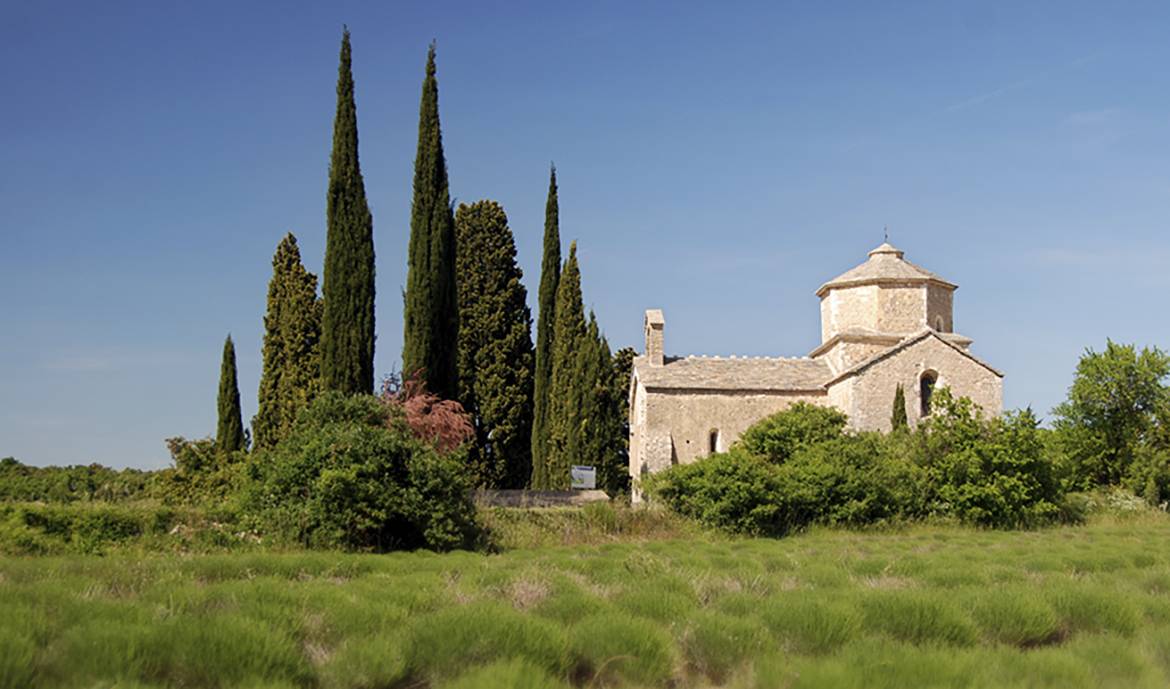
(871, 395)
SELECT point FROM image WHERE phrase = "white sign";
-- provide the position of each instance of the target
(583, 477)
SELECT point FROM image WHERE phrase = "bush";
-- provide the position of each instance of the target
(850, 481)
(986, 472)
(734, 491)
(21, 483)
(780, 436)
(351, 475)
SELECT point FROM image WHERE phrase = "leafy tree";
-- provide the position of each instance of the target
(442, 423)
(229, 433)
(564, 397)
(783, 434)
(347, 323)
(988, 472)
(431, 312)
(353, 475)
(292, 330)
(1111, 410)
(550, 273)
(898, 420)
(495, 346)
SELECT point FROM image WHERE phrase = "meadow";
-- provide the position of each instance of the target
(945, 606)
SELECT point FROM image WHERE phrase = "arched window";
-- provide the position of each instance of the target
(926, 390)
(938, 324)
(713, 442)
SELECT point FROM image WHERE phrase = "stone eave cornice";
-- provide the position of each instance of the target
(778, 392)
(913, 339)
(890, 339)
(824, 289)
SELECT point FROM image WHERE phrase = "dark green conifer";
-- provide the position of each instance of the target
(616, 477)
(898, 420)
(495, 346)
(564, 395)
(550, 273)
(429, 347)
(292, 329)
(229, 431)
(347, 325)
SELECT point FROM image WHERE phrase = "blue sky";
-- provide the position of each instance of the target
(717, 161)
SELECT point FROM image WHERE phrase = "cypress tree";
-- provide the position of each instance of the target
(495, 346)
(550, 273)
(616, 479)
(429, 346)
(347, 324)
(564, 394)
(229, 431)
(591, 444)
(292, 330)
(898, 420)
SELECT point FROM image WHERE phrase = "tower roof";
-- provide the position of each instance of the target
(885, 264)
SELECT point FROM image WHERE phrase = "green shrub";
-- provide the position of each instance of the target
(986, 472)
(917, 617)
(852, 480)
(780, 436)
(1015, 616)
(1149, 475)
(349, 477)
(809, 625)
(482, 632)
(615, 648)
(715, 644)
(512, 674)
(734, 491)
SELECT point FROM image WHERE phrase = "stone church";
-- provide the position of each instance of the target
(885, 322)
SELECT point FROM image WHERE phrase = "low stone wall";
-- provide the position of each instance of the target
(538, 498)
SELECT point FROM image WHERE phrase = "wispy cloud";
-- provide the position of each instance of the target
(1092, 117)
(989, 95)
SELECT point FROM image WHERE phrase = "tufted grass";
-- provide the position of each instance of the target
(922, 606)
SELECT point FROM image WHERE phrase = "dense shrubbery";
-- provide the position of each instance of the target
(353, 475)
(800, 467)
(21, 483)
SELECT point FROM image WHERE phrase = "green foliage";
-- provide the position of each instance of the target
(614, 471)
(430, 343)
(93, 482)
(898, 419)
(1112, 409)
(229, 432)
(797, 468)
(347, 320)
(292, 331)
(495, 346)
(735, 492)
(616, 648)
(550, 273)
(565, 391)
(350, 477)
(783, 434)
(987, 472)
(851, 481)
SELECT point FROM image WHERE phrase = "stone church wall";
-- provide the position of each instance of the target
(870, 398)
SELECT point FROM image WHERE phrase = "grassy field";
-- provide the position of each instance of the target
(1081, 606)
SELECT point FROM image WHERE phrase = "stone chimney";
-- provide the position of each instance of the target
(654, 347)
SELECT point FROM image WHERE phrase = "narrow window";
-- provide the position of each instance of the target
(938, 324)
(713, 442)
(926, 390)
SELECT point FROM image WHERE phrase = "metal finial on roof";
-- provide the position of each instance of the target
(886, 233)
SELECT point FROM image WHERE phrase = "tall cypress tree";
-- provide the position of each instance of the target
(898, 420)
(292, 330)
(431, 311)
(229, 431)
(347, 324)
(616, 478)
(550, 273)
(495, 346)
(564, 394)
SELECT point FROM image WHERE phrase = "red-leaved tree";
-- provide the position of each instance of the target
(440, 422)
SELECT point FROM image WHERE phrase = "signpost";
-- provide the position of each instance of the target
(583, 477)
